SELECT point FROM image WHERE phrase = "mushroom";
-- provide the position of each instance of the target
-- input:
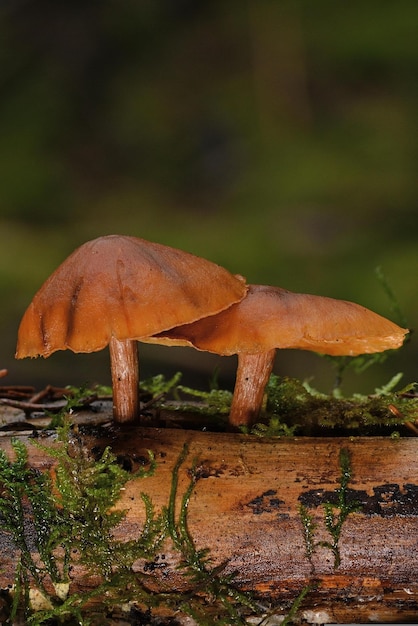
(271, 317)
(115, 290)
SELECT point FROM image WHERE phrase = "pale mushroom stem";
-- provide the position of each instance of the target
(253, 372)
(125, 379)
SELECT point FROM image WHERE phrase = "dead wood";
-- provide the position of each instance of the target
(246, 508)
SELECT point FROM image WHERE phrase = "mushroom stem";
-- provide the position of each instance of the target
(125, 379)
(253, 372)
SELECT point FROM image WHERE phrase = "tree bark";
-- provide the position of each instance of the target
(246, 508)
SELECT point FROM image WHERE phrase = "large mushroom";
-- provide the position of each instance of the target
(115, 290)
(269, 318)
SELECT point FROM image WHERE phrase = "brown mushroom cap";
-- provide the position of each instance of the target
(271, 317)
(122, 287)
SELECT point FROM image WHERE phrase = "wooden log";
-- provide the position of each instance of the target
(246, 508)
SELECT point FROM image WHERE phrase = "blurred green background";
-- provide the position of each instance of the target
(277, 138)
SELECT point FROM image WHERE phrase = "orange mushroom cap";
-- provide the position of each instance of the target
(122, 287)
(271, 317)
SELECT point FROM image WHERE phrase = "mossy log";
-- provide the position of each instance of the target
(260, 506)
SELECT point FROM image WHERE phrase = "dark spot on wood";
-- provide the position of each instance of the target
(387, 500)
(265, 503)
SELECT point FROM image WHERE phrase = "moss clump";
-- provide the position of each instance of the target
(295, 407)
(56, 525)
(299, 407)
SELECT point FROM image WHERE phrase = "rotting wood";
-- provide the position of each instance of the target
(246, 508)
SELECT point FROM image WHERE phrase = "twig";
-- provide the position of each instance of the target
(412, 427)
(33, 406)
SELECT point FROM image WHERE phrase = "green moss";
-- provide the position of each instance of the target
(75, 398)
(71, 522)
(297, 406)
(274, 428)
(309, 527)
(215, 402)
(335, 514)
(158, 386)
(22, 488)
(296, 605)
(218, 587)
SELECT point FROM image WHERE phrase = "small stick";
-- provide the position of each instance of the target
(412, 427)
(41, 394)
(32, 406)
(16, 392)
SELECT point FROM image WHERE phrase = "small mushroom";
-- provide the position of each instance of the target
(114, 291)
(271, 317)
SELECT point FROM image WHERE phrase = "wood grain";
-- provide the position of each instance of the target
(246, 508)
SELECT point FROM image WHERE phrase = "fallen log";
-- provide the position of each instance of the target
(337, 517)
